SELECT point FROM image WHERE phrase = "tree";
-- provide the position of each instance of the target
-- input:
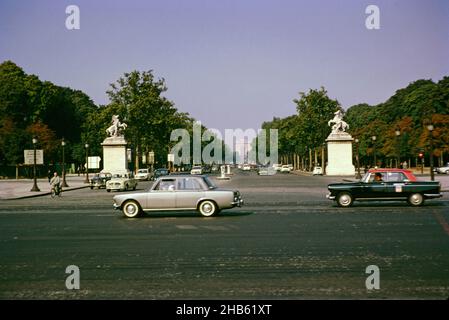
(137, 98)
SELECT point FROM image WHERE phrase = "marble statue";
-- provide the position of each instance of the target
(339, 125)
(116, 129)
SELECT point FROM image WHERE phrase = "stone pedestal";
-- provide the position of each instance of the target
(339, 155)
(114, 155)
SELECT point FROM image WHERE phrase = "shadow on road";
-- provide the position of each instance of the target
(190, 214)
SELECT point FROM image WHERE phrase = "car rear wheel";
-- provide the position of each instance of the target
(345, 199)
(131, 209)
(207, 208)
(416, 199)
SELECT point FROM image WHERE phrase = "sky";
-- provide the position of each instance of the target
(232, 63)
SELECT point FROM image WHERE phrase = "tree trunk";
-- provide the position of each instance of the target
(136, 167)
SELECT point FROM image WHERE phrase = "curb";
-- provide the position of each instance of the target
(43, 194)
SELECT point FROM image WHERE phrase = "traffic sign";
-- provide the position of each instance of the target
(29, 156)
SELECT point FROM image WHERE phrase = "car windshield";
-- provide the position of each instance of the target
(196, 167)
(142, 171)
(365, 177)
(209, 183)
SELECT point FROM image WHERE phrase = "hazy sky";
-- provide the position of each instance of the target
(232, 63)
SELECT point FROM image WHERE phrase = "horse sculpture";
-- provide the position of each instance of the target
(116, 129)
(339, 124)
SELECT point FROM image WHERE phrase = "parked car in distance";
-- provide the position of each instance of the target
(121, 182)
(176, 193)
(277, 167)
(317, 171)
(285, 169)
(143, 174)
(385, 184)
(246, 167)
(266, 171)
(160, 172)
(290, 166)
(444, 169)
(196, 170)
(99, 180)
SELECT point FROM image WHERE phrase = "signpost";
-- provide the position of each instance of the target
(151, 157)
(29, 156)
(94, 162)
(170, 159)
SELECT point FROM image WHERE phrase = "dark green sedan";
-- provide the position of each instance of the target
(385, 184)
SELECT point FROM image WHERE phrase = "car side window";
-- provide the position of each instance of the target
(396, 177)
(166, 185)
(188, 184)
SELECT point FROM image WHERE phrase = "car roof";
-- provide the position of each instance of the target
(389, 170)
(182, 176)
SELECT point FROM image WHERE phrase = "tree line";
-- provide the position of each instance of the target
(399, 125)
(31, 108)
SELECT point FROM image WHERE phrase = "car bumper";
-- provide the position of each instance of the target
(237, 203)
(97, 185)
(330, 197)
(433, 195)
(116, 206)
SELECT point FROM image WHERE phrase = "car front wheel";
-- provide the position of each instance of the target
(345, 199)
(416, 199)
(207, 208)
(131, 209)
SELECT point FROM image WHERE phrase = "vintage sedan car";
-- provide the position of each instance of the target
(385, 184)
(176, 193)
(160, 172)
(143, 174)
(266, 171)
(444, 169)
(99, 180)
(285, 169)
(196, 170)
(317, 171)
(121, 182)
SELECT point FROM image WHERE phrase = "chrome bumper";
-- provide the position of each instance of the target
(116, 206)
(330, 197)
(237, 203)
(433, 195)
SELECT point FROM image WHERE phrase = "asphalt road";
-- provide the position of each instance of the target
(287, 242)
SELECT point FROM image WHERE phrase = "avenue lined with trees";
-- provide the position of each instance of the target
(389, 133)
(385, 134)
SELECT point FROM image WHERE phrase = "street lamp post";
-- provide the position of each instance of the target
(430, 128)
(64, 183)
(374, 150)
(87, 163)
(35, 187)
(357, 158)
(397, 132)
(324, 158)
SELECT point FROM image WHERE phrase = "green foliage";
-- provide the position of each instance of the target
(30, 107)
(408, 110)
(308, 129)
